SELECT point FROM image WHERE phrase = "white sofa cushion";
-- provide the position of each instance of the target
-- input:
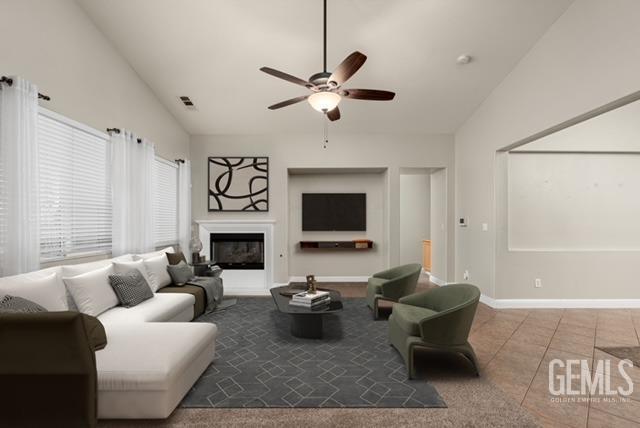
(124, 267)
(161, 308)
(157, 271)
(153, 254)
(92, 291)
(42, 287)
(79, 269)
(147, 368)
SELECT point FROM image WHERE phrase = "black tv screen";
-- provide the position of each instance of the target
(334, 211)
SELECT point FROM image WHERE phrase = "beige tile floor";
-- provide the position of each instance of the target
(515, 346)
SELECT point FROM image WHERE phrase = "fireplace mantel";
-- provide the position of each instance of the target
(247, 221)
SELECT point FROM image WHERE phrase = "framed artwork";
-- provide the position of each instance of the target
(238, 184)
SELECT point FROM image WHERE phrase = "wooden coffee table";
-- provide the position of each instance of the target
(306, 323)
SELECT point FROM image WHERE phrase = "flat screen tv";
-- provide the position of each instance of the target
(334, 211)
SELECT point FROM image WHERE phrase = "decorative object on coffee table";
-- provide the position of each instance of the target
(238, 184)
(311, 284)
(306, 322)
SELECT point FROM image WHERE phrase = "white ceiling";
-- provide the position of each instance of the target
(211, 50)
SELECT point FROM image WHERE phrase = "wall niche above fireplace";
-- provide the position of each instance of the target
(235, 251)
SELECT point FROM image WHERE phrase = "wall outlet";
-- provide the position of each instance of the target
(538, 283)
(485, 227)
(465, 275)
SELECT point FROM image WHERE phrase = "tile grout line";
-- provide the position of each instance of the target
(593, 360)
(506, 340)
(541, 358)
(593, 368)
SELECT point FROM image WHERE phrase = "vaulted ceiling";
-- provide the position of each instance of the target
(211, 50)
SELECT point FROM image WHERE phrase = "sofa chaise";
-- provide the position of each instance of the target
(153, 354)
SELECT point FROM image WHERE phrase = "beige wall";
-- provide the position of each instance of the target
(55, 45)
(589, 57)
(415, 213)
(338, 263)
(305, 151)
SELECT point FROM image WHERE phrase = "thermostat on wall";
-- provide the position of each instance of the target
(463, 222)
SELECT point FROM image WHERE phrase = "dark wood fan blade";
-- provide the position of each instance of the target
(288, 102)
(287, 77)
(347, 68)
(334, 114)
(368, 94)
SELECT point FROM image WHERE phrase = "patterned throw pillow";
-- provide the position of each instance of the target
(180, 273)
(131, 288)
(9, 304)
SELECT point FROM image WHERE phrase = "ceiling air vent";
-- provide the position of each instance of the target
(187, 102)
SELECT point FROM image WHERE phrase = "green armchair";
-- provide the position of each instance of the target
(439, 319)
(392, 284)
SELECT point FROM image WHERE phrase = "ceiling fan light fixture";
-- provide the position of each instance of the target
(324, 101)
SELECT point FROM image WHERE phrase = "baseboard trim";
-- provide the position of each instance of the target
(437, 280)
(248, 292)
(560, 303)
(331, 279)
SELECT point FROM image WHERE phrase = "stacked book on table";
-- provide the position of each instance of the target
(312, 301)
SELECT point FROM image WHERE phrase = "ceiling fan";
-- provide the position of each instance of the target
(326, 88)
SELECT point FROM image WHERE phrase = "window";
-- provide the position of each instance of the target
(165, 203)
(75, 188)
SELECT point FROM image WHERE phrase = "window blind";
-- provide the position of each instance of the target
(75, 189)
(165, 203)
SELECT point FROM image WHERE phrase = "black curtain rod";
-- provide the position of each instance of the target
(9, 81)
(117, 131)
(179, 161)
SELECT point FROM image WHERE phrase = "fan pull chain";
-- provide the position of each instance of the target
(326, 131)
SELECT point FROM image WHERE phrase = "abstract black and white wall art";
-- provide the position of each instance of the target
(238, 184)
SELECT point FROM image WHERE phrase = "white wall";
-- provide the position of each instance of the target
(56, 46)
(573, 202)
(439, 226)
(338, 263)
(415, 214)
(617, 130)
(589, 57)
(392, 152)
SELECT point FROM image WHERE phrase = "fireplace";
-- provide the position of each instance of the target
(234, 251)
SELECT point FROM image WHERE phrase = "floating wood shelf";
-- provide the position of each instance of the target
(336, 245)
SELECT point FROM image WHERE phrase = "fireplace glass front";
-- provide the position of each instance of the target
(238, 250)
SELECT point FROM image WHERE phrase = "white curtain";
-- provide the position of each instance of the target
(184, 207)
(132, 178)
(19, 208)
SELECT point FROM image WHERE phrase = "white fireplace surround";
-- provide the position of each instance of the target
(242, 282)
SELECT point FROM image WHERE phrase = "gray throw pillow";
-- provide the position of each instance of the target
(131, 288)
(9, 304)
(180, 273)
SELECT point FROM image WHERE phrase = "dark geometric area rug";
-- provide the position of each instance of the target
(259, 364)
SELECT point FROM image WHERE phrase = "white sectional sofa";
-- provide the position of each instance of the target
(154, 354)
